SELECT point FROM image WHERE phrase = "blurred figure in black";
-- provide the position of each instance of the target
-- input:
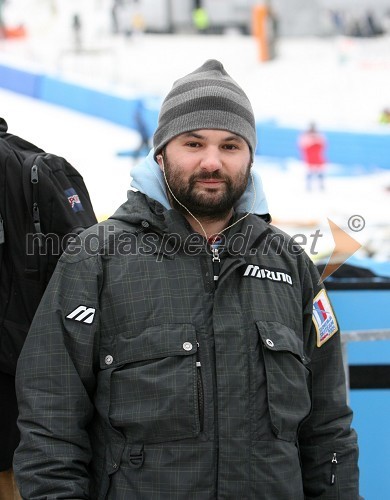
(371, 26)
(2, 26)
(76, 28)
(114, 15)
(142, 129)
(272, 31)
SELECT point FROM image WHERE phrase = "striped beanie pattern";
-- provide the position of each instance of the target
(207, 98)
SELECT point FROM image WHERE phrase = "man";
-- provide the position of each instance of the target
(312, 145)
(187, 354)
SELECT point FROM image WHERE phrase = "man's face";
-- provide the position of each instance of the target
(207, 171)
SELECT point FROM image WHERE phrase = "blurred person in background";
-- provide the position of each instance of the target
(77, 29)
(142, 129)
(115, 7)
(385, 116)
(201, 20)
(371, 26)
(186, 356)
(338, 21)
(2, 25)
(312, 146)
(386, 21)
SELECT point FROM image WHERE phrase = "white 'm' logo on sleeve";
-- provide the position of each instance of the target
(83, 314)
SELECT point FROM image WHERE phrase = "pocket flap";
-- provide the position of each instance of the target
(159, 341)
(278, 337)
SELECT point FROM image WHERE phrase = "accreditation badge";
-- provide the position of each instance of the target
(324, 318)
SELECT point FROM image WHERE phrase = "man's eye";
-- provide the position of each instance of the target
(230, 146)
(193, 144)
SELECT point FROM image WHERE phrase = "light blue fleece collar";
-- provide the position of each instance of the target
(148, 179)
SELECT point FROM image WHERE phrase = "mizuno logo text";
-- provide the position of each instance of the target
(268, 274)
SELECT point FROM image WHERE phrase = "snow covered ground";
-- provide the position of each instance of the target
(339, 83)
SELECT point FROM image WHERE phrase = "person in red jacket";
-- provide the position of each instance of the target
(312, 146)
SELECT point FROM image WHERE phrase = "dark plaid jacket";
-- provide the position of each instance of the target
(142, 379)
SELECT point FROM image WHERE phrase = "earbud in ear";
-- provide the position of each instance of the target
(160, 161)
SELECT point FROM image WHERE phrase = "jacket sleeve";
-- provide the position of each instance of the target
(327, 443)
(55, 382)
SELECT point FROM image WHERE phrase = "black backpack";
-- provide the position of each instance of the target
(43, 202)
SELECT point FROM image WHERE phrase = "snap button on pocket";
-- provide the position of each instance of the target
(187, 346)
(108, 359)
(269, 343)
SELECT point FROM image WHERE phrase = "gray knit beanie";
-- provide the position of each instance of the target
(207, 98)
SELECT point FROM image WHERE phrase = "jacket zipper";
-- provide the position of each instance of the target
(333, 469)
(35, 209)
(199, 383)
(216, 264)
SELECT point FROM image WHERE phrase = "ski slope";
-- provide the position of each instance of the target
(339, 83)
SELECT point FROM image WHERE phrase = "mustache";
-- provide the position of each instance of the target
(206, 176)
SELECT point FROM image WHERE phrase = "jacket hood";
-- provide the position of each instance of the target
(148, 179)
(148, 215)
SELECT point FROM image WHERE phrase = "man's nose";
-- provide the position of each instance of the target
(211, 160)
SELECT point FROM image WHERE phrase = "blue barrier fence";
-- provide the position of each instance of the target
(348, 148)
(92, 102)
(369, 150)
(20, 81)
(356, 310)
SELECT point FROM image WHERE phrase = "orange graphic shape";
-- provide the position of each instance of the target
(345, 247)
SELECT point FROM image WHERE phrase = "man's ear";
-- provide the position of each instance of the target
(160, 161)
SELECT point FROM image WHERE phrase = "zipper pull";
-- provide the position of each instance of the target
(36, 218)
(215, 255)
(37, 223)
(216, 263)
(198, 365)
(2, 237)
(333, 469)
(34, 174)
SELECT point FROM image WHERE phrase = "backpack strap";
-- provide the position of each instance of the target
(2, 235)
(2, 241)
(3, 129)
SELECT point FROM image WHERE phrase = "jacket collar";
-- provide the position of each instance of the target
(151, 216)
(148, 179)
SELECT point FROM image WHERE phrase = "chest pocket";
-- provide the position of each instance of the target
(288, 379)
(152, 384)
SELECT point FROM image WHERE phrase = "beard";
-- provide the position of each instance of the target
(208, 203)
